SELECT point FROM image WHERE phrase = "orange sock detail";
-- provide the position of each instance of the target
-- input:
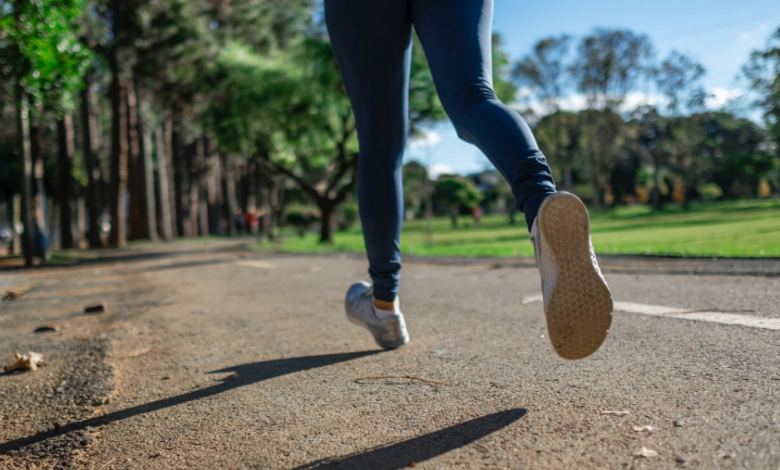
(381, 304)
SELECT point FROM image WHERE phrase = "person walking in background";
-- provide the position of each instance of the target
(372, 41)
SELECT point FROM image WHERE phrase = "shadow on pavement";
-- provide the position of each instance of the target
(423, 448)
(245, 374)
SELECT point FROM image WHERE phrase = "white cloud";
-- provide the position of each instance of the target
(636, 99)
(719, 97)
(428, 138)
(438, 169)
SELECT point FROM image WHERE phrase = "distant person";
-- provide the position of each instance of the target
(372, 40)
(476, 214)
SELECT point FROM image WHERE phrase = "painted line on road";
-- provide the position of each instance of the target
(723, 318)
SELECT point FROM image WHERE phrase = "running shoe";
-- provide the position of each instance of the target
(389, 332)
(577, 301)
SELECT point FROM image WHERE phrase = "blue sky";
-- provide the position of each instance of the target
(719, 33)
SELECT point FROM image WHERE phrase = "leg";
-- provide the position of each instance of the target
(372, 41)
(456, 36)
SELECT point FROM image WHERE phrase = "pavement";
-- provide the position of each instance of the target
(209, 356)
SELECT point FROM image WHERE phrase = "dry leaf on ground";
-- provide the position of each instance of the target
(29, 361)
(12, 294)
(646, 453)
(642, 428)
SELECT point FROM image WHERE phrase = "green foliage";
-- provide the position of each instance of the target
(417, 185)
(763, 74)
(456, 191)
(40, 50)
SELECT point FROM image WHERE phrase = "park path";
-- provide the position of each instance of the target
(220, 358)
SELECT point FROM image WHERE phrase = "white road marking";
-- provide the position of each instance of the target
(532, 298)
(724, 318)
(256, 264)
(733, 319)
(645, 309)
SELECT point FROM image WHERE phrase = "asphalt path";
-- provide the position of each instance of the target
(213, 357)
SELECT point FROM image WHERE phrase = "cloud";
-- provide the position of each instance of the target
(719, 97)
(428, 138)
(438, 169)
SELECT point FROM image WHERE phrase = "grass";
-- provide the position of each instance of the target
(724, 229)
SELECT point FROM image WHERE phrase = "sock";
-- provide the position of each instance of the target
(381, 309)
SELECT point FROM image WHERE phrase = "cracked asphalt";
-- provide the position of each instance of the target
(210, 356)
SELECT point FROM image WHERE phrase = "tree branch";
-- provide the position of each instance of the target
(306, 187)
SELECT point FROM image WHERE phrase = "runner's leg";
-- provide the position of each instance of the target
(372, 41)
(456, 36)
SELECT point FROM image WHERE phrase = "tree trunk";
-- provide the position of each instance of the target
(17, 219)
(327, 221)
(597, 201)
(655, 193)
(65, 156)
(137, 224)
(167, 133)
(149, 199)
(162, 181)
(229, 191)
(117, 92)
(40, 212)
(81, 221)
(25, 165)
(181, 203)
(567, 176)
(454, 215)
(89, 128)
(202, 176)
(212, 176)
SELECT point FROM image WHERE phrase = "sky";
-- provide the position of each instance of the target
(720, 34)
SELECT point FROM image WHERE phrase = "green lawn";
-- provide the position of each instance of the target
(738, 228)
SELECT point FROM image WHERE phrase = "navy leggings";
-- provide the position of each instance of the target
(372, 40)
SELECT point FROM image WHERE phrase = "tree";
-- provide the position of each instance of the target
(678, 78)
(559, 134)
(763, 74)
(417, 187)
(454, 192)
(649, 140)
(609, 65)
(545, 71)
(43, 58)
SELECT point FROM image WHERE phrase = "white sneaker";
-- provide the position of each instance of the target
(389, 332)
(577, 301)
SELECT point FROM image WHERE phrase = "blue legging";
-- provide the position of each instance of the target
(372, 40)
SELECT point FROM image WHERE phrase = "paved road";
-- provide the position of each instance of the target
(212, 357)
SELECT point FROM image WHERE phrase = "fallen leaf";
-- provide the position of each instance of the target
(97, 308)
(642, 428)
(12, 295)
(134, 354)
(29, 361)
(615, 413)
(646, 453)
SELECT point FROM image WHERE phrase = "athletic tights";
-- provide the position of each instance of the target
(372, 40)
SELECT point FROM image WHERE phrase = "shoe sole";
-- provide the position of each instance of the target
(382, 344)
(579, 312)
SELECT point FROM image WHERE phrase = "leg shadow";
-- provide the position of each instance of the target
(422, 448)
(245, 374)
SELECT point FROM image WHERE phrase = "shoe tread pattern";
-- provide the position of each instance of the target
(579, 311)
